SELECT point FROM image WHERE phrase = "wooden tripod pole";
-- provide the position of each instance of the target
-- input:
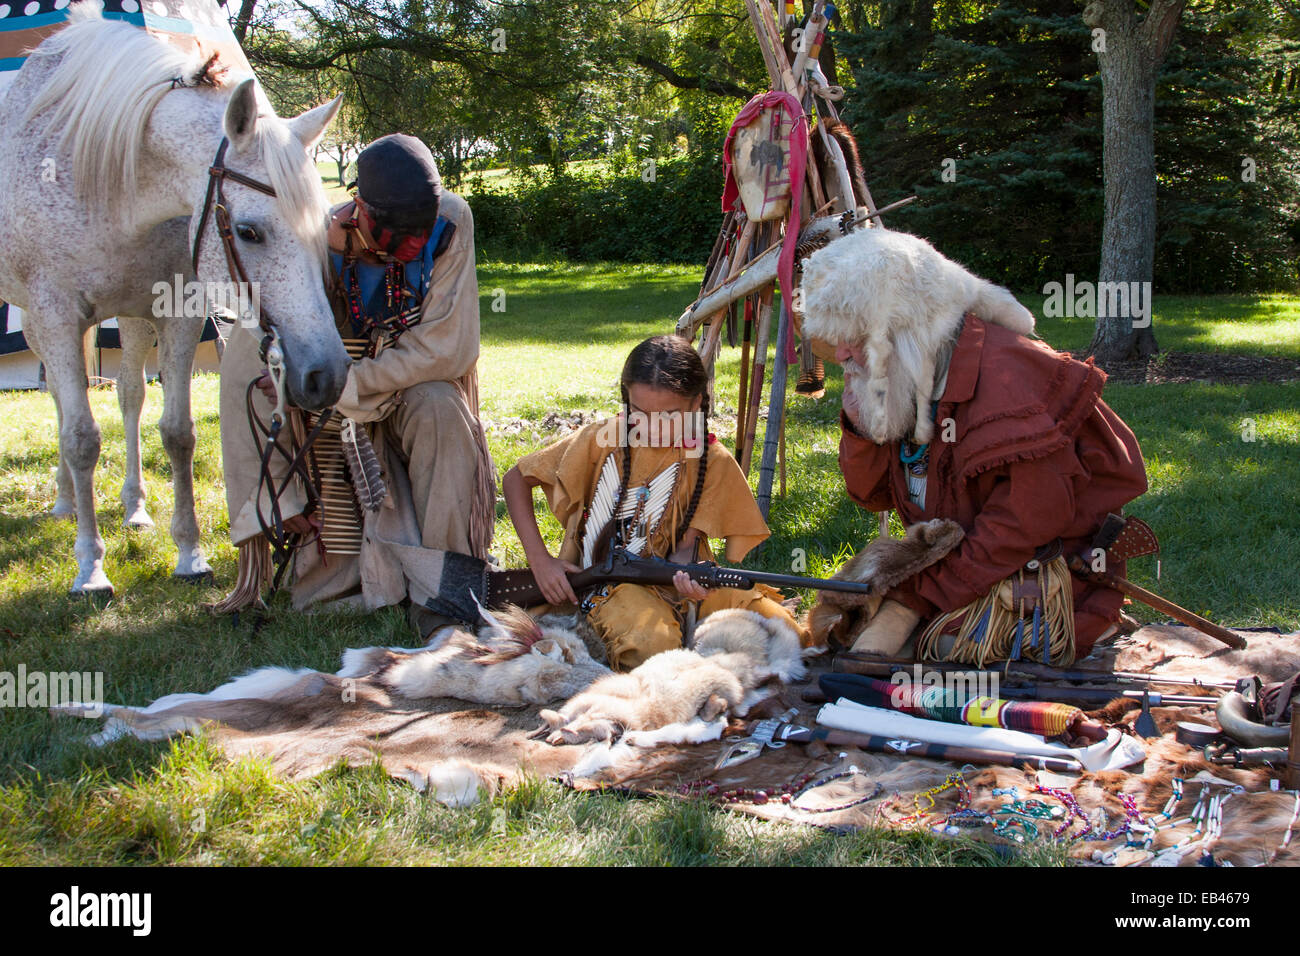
(775, 415)
(742, 400)
(762, 327)
(713, 325)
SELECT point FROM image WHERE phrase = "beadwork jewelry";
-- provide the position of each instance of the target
(918, 815)
(786, 794)
(821, 782)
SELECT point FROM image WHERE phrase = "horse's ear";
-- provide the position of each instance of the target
(241, 115)
(311, 125)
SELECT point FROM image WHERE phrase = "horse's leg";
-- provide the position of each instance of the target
(65, 501)
(137, 339)
(177, 340)
(59, 344)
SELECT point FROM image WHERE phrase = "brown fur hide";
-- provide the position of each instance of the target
(837, 617)
(848, 144)
(315, 721)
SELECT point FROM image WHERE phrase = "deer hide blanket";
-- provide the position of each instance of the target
(305, 722)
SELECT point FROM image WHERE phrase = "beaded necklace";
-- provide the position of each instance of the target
(822, 781)
(786, 793)
(919, 813)
(783, 794)
(401, 305)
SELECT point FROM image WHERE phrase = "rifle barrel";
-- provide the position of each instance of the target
(798, 581)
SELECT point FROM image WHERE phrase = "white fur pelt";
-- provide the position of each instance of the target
(901, 301)
(516, 660)
(737, 657)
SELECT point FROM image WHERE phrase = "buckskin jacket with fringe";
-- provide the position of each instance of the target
(1038, 456)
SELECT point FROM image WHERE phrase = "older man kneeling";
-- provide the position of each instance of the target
(950, 411)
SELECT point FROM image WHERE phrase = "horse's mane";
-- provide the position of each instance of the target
(109, 77)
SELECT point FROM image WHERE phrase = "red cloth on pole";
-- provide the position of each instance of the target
(798, 160)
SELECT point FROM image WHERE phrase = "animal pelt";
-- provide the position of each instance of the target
(837, 617)
(900, 301)
(848, 144)
(514, 661)
(737, 657)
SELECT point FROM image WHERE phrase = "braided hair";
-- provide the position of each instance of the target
(668, 362)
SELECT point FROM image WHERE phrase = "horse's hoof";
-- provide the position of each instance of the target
(195, 577)
(140, 521)
(97, 595)
(93, 584)
(59, 514)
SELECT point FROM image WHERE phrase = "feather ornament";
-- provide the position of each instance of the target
(602, 508)
(363, 466)
(651, 500)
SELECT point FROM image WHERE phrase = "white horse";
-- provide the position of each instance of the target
(109, 133)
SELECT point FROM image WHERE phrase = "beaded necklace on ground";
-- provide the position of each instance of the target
(786, 794)
(919, 814)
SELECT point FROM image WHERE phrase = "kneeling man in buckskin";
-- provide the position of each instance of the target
(952, 411)
(399, 474)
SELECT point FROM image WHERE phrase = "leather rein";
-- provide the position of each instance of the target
(266, 438)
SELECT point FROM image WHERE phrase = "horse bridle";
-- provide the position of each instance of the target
(216, 205)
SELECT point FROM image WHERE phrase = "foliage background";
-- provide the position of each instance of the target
(547, 115)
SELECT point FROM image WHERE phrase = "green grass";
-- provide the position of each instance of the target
(1222, 506)
(1233, 324)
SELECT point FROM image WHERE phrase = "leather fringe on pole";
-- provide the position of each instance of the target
(482, 513)
(251, 580)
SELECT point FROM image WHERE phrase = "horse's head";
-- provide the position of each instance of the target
(278, 240)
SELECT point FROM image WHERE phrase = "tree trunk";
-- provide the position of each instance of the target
(1133, 53)
(243, 18)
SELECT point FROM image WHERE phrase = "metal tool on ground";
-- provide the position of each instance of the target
(761, 735)
(1195, 734)
(1145, 725)
(1230, 756)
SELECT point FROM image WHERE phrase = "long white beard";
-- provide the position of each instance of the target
(886, 406)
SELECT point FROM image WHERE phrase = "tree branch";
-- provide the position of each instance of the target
(1157, 30)
(720, 87)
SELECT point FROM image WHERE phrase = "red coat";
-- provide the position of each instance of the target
(1037, 456)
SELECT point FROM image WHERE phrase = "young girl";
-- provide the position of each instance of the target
(646, 484)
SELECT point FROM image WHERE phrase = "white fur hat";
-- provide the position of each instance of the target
(897, 299)
(875, 283)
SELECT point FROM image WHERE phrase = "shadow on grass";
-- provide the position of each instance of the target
(155, 639)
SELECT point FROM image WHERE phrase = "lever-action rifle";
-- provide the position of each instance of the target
(620, 567)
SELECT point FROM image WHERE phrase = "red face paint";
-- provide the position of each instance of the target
(403, 248)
